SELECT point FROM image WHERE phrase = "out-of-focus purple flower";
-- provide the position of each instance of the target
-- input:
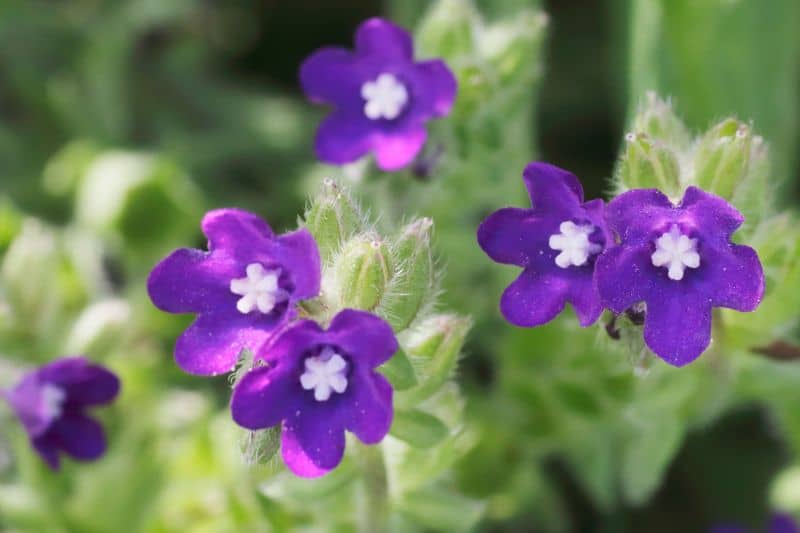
(556, 242)
(317, 384)
(679, 260)
(779, 523)
(242, 289)
(380, 95)
(51, 403)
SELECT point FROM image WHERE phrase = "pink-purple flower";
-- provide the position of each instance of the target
(243, 289)
(51, 403)
(556, 242)
(779, 523)
(318, 383)
(381, 97)
(679, 260)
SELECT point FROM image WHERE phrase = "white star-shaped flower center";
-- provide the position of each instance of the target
(259, 289)
(675, 252)
(385, 97)
(574, 244)
(52, 398)
(325, 373)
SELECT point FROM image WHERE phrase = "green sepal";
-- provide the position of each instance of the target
(362, 272)
(332, 218)
(399, 372)
(418, 428)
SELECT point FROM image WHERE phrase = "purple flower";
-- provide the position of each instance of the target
(680, 261)
(381, 97)
(51, 403)
(243, 289)
(779, 523)
(319, 383)
(556, 242)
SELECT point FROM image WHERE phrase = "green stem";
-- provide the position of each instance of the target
(373, 513)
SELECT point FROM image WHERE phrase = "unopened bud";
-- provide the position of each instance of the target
(362, 272)
(722, 158)
(332, 218)
(656, 118)
(647, 163)
(447, 30)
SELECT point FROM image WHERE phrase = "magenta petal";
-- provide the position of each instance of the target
(235, 230)
(80, 436)
(371, 416)
(364, 336)
(330, 75)
(265, 396)
(297, 251)
(211, 344)
(677, 327)
(188, 281)
(633, 215)
(395, 150)
(552, 188)
(84, 383)
(316, 438)
(710, 212)
(47, 447)
(380, 37)
(505, 236)
(343, 139)
(536, 298)
(439, 84)
(624, 276)
(738, 278)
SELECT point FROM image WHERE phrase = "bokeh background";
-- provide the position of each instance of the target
(122, 121)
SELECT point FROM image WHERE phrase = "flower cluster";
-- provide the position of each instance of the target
(51, 403)
(673, 261)
(315, 383)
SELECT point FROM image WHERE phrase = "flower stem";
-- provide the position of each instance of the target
(374, 501)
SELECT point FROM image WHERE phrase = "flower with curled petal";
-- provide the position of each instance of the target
(243, 288)
(556, 242)
(679, 260)
(380, 95)
(318, 383)
(51, 402)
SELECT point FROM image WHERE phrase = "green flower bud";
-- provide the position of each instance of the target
(413, 282)
(509, 46)
(648, 163)
(418, 428)
(433, 349)
(99, 328)
(362, 272)
(447, 30)
(332, 218)
(657, 120)
(722, 158)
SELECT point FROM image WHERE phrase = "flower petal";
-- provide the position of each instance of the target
(330, 75)
(533, 299)
(265, 396)
(83, 382)
(211, 344)
(397, 149)
(236, 231)
(435, 87)
(634, 215)
(512, 236)
(370, 416)
(297, 251)
(80, 436)
(366, 338)
(737, 277)
(552, 189)
(677, 326)
(380, 37)
(343, 138)
(623, 276)
(711, 213)
(312, 443)
(47, 447)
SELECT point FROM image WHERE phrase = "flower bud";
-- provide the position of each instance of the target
(647, 163)
(433, 348)
(657, 120)
(413, 281)
(332, 218)
(362, 272)
(510, 44)
(447, 30)
(722, 158)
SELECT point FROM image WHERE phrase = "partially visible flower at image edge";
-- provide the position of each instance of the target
(556, 242)
(243, 289)
(779, 523)
(51, 402)
(318, 383)
(380, 95)
(679, 260)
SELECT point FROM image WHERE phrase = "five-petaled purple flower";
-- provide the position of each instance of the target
(317, 384)
(556, 242)
(51, 403)
(679, 260)
(381, 97)
(243, 289)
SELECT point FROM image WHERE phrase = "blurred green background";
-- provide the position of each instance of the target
(122, 121)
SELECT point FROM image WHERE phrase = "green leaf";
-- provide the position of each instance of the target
(441, 510)
(259, 447)
(418, 428)
(399, 372)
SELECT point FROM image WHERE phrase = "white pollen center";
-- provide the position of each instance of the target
(52, 398)
(259, 289)
(675, 252)
(385, 97)
(325, 373)
(574, 244)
